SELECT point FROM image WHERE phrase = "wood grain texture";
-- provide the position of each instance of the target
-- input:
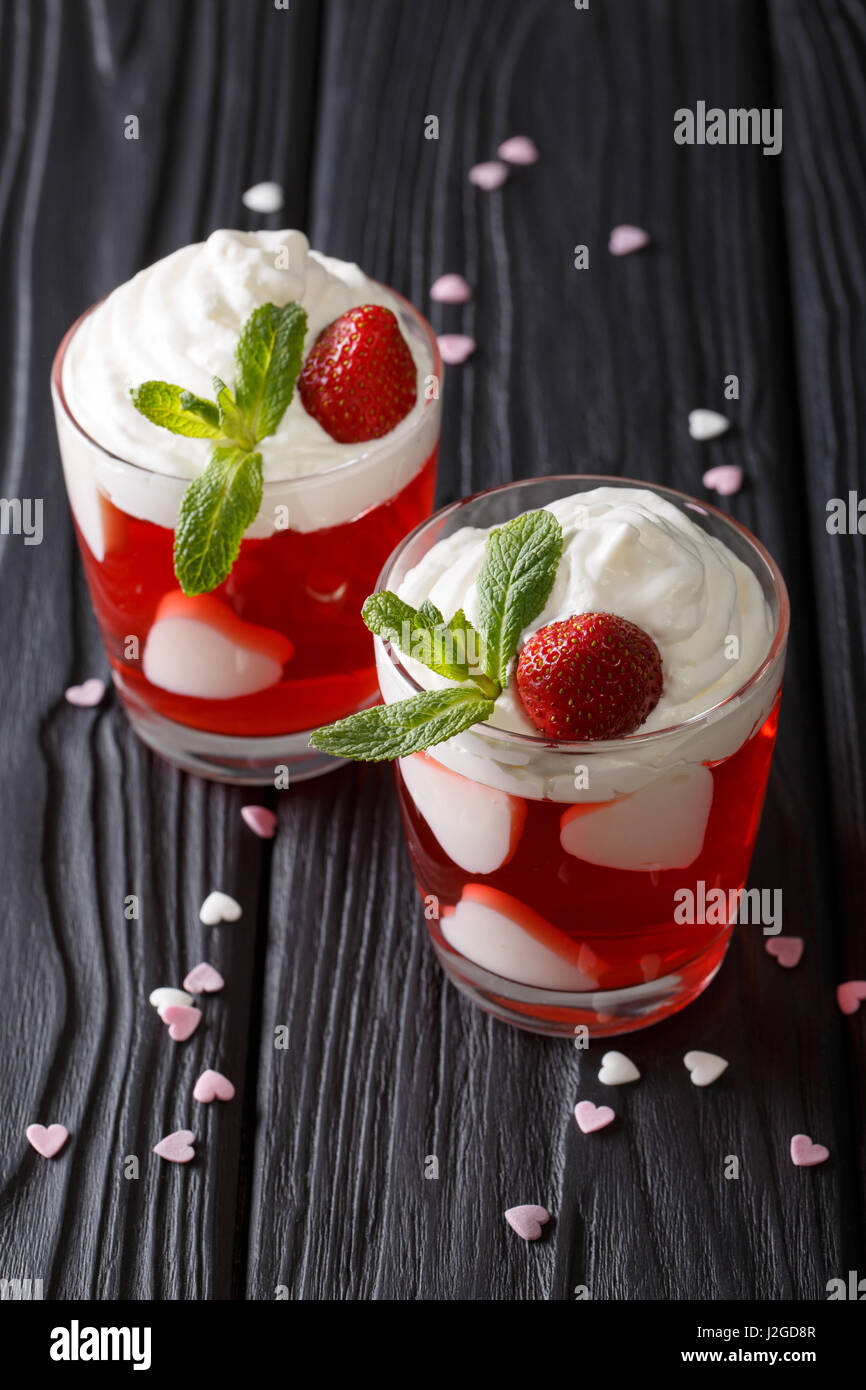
(87, 815)
(315, 1178)
(822, 63)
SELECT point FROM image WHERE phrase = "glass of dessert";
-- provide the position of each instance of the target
(581, 679)
(247, 429)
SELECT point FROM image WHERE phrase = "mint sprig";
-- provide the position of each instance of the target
(215, 510)
(395, 731)
(225, 498)
(450, 649)
(520, 563)
(514, 584)
(177, 410)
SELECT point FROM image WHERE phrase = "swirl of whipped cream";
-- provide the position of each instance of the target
(630, 552)
(179, 321)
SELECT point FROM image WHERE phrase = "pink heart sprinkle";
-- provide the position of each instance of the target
(182, 1021)
(850, 995)
(260, 820)
(519, 149)
(212, 1085)
(527, 1221)
(591, 1117)
(805, 1154)
(86, 695)
(725, 480)
(455, 347)
(489, 175)
(625, 239)
(176, 1147)
(47, 1142)
(450, 289)
(788, 950)
(203, 979)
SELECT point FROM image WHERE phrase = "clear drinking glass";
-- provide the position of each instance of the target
(549, 894)
(230, 684)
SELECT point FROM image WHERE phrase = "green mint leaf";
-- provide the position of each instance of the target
(197, 405)
(215, 510)
(395, 731)
(230, 418)
(429, 614)
(176, 410)
(436, 646)
(520, 562)
(268, 356)
(473, 653)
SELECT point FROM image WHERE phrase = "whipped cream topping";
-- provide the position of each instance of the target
(179, 321)
(630, 552)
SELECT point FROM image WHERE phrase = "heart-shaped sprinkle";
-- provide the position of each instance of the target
(519, 149)
(527, 1221)
(203, 979)
(455, 347)
(161, 999)
(489, 175)
(850, 995)
(182, 1021)
(707, 424)
(261, 821)
(176, 1147)
(86, 695)
(625, 239)
(704, 1067)
(788, 950)
(805, 1154)
(47, 1142)
(726, 480)
(591, 1117)
(450, 289)
(219, 907)
(212, 1085)
(263, 197)
(617, 1070)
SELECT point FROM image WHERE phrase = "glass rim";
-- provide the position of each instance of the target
(374, 446)
(589, 746)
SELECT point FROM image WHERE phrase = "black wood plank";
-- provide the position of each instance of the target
(820, 52)
(592, 371)
(87, 815)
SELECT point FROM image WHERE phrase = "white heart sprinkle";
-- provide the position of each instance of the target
(704, 1067)
(219, 907)
(263, 197)
(165, 997)
(617, 1070)
(707, 424)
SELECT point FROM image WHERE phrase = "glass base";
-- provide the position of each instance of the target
(251, 762)
(603, 1013)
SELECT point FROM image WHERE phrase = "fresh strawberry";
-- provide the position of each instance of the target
(591, 676)
(359, 378)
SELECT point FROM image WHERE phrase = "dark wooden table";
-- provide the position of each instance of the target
(314, 1179)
